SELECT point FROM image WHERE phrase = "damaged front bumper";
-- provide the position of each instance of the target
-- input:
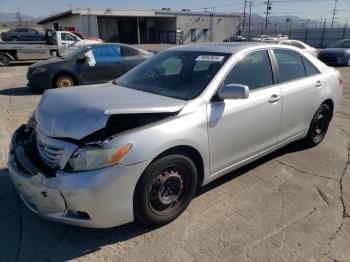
(99, 198)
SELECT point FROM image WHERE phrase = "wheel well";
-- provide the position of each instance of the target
(191, 153)
(64, 73)
(329, 103)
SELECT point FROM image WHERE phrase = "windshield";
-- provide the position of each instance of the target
(75, 52)
(177, 74)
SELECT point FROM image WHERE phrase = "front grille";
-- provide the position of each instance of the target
(50, 154)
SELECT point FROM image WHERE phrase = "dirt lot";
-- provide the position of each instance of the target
(293, 205)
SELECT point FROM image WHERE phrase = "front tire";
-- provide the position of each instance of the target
(165, 189)
(318, 126)
(64, 81)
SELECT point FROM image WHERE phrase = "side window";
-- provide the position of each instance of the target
(310, 68)
(68, 37)
(32, 31)
(127, 51)
(21, 30)
(290, 65)
(107, 54)
(253, 70)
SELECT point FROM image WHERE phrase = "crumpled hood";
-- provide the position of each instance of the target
(79, 111)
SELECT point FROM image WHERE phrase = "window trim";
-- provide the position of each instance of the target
(279, 82)
(273, 70)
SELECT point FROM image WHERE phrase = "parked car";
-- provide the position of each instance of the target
(259, 38)
(274, 39)
(23, 34)
(89, 64)
(306, 48)
(336, 54)
(140, 146)
(236, 38)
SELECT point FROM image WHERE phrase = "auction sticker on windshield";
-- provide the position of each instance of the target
(212, 58)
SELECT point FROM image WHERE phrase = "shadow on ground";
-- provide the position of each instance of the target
(30, 238)
(19, 91)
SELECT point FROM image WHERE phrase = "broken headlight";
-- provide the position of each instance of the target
(90, 158)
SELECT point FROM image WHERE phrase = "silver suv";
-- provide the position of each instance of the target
(139, 147)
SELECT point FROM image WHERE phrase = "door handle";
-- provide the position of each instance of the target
(274, 98)
(318, 84)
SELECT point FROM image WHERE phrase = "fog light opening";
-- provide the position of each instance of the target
(76, 214)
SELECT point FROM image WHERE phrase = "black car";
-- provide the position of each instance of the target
(90, 64)
(336, 54)
(23, 34)
(236, 38)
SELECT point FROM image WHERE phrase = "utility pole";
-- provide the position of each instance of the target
(245, 4)
(345, 26)
(18, 16)
(334, 12)
(268, 9)
(307, 30)
(250, 16)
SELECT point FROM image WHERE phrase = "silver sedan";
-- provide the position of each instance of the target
(139, 147)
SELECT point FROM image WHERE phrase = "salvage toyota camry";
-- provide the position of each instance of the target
(140, 146)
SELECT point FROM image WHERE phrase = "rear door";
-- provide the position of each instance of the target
(106, 65)
(300, 83)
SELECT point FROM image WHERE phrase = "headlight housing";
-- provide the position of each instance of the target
(90, 157)
(39, 70)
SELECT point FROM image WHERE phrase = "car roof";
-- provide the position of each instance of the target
(225, 47)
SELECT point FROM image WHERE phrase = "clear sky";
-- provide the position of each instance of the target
(312, 9)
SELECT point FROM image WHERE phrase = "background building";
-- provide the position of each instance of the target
(163, 26)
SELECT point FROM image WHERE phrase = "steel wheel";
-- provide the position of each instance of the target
(165, 189)
(166, 192)
(319, 125)
(64, 81)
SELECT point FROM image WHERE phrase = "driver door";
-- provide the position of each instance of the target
(242, 128)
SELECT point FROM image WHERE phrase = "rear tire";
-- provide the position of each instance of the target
(165, 189)
(4, 60)
(14, 38)
(318, 126)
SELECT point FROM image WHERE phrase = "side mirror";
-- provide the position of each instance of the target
(234, 91)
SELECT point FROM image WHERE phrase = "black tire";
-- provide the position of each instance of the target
(14, 38)
(4, 60)
(165, 189)
(318, 126)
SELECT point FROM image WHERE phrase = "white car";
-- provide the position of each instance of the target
(139, 147)
(306, 48)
